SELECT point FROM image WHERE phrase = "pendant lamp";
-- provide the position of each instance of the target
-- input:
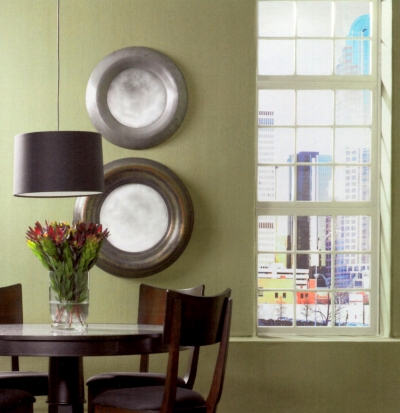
(58, 163)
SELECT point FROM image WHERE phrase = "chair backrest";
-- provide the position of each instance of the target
(11, 304)
(152, 302)
(11, 311)
(201, 319)
(152, 307)
(196, 321)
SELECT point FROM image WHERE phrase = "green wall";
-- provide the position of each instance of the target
(212, 41)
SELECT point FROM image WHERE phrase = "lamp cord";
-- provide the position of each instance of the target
(58, 65)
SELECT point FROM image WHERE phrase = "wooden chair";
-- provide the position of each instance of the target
(151, 310)
(152, 305)
(189, 321)
(35, 383)
(16, 401)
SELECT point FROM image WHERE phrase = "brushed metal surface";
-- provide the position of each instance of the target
(179, 220)
(136, 97)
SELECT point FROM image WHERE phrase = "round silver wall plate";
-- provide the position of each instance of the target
(148, 212)
(136, 97)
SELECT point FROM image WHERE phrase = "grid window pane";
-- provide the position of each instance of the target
(315, 310)
(276, 18)
(275, 233)
(318, 140)
(353, 233)
(315, 107)
(276, 145)
(352, 57)
(275, 265)
(314, 57)
(314, 183)
(352, 309)
(275, 307)
(353, 107)
(276, 57)
(352, 271)
(276, 107)
(313, 234)
(306, 309)
(274, 183)
(352, 183)
(316, 272)
(314, 19)
(353, 145)
(352, 19)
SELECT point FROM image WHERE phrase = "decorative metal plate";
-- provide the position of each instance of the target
(136, 97)
(148, 212)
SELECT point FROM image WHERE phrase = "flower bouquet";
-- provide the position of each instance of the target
(68, 252)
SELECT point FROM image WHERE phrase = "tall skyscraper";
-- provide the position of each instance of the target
(355, 58)
(352, 270)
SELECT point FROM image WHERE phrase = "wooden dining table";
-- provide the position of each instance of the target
(66, 350)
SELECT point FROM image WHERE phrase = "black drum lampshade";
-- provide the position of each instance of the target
(58, 164)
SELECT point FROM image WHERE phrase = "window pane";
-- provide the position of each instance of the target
(352, 183)
(315, 107)
(306, 307)
(313, 234)
(313, 271)
(275, 307)
(353, 107)
(276, 107)
(352, 271)
(275, 265)
(314, 57)
(315, 310)
(353, 233)
(353, 145)
(320, 270)
(352, 57)
(274, 183)
(275, 233)
(314, 19)
(314, 183)
(276, 18)
(275, 145)
(276, 57)
(352, 309)
(352, 19)
(317, 140)
(302, 274)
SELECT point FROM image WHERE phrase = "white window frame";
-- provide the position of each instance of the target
(303, 208)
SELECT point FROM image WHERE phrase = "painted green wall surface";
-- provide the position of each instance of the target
(213, 43)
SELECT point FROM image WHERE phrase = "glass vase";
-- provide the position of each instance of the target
(69, 300)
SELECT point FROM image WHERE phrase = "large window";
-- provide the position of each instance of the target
(318, 151)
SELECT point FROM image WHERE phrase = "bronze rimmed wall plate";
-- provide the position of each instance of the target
(149, 213)
(136, 97)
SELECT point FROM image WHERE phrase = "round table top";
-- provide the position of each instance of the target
(97, 340)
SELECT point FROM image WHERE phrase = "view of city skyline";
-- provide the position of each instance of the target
(315, 146)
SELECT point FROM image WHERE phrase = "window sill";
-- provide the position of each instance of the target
(303, 339)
